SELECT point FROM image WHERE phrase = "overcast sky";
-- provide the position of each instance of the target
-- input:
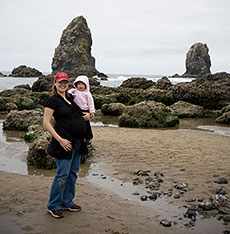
(129, 36)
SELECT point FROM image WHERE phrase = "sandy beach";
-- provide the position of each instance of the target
(186, 156)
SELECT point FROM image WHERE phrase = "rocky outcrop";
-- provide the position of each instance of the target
(73, 54)
(188, 110)
(159, 95)
(43, 83)
(224, 117)
(2, 75)
(114, 109)
(198, 61)
(212, 91)
(137, 83)
(164, 83)
(24, 71)
(21, 120)
(37, 155)
(149, 114)
(22, 98)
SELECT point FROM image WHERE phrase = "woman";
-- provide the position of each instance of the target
(66, 146)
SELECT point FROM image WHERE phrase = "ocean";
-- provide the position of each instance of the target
(114, 80)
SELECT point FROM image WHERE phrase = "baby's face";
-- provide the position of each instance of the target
(80, 86)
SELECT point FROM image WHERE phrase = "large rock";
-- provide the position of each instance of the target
(21, 120)
(24, 71)
(15, 91)
(137, 83)
(37, 155)
(114, 109)
(149, 114)
(198, 61)
(164, 83)
(224, 117)
(43, 83)
(73, 54)
(2, 75)
(212, 91)
(18, 102)
(188, 110)
(159, 95)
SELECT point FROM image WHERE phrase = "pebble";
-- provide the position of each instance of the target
(153, 196)
(220, 191)
(226, 219)
(144, 198)
(166, 223)
(226, 232)
(136, 193)
(221, 180)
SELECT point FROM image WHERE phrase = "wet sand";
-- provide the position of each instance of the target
(187, 156)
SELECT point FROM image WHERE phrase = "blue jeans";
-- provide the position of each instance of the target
(63, 188)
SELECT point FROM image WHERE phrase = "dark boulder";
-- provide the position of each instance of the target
(212, 91)
(43, 83)
(24, 71)
(2, 75)
(137, 83)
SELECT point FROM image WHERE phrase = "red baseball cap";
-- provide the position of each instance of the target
(61, 76)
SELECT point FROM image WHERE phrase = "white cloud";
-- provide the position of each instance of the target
(132, 36)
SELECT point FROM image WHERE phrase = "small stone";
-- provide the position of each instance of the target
(220, 191)
(136, 193)
(221, 180)
(177, 196)
(226, 219)
(224, 211)
(166, 223)
(182, 169)
(226, 232)
(159, 174)
(191, 200)
(153, 196)
(144, 198)
(191, 214)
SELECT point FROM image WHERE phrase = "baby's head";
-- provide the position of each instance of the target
(80, 86)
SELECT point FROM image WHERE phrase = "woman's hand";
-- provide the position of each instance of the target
(66, 144)
(86, 116)
(92, 115)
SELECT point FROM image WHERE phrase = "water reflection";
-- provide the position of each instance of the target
(84, 169)
(13, 151)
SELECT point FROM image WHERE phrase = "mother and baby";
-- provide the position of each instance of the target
(71, 134)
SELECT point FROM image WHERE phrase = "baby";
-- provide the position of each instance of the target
(83, 98)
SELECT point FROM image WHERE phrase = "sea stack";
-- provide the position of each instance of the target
(198, 61)
(73, 54)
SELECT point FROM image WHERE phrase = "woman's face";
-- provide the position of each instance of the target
(62, 86)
